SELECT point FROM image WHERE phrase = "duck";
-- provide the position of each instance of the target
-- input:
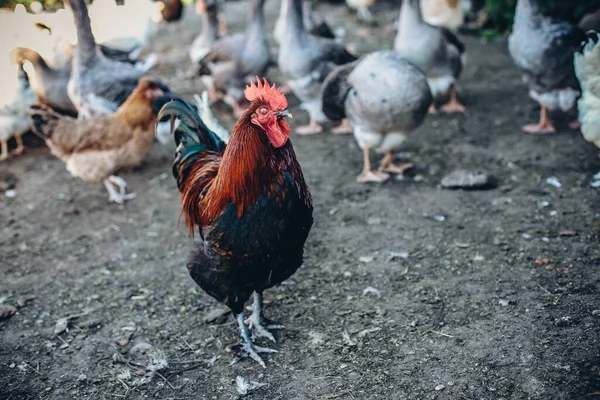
(235, 59)
(590, 21)
(361, 7)
(98, 85)
(314, 23)
(587, 70)
(435, 50)
(305, 61)
(48, 83)
(15, 101)
(202, 45)
(385, 98)
(449, 14)
(542, 50)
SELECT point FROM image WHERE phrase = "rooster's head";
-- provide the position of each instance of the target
(269, 107)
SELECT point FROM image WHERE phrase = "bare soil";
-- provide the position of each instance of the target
(408, 291)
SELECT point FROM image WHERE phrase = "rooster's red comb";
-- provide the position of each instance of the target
(266, 92)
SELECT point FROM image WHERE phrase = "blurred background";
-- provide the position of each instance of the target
(499, 14)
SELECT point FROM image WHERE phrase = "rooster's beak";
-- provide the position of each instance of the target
(284, 113)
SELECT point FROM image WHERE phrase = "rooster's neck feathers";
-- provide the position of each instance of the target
(250, 168)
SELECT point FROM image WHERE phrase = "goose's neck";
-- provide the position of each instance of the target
(527, 7)
(293, 17)
(86, 44)
(210, 24)
(410, 13)
(257, 20)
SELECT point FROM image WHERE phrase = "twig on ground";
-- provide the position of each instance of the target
(440, 333)
(544, 289)
(183, 370)
(167, 381)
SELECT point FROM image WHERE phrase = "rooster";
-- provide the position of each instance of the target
(96, 148)
(248, 201)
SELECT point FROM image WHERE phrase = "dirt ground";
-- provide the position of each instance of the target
(408, 291)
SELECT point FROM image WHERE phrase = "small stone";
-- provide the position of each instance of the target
(347, 274)
(504, 303)
(140, 348)
(545, 203)
(596, 313)
(22, 301)
(553, 181)
(545, 240)
(371, 290)
(124, 339)
(61, 325)
(10, 193)
(7, 311)
(366, 259)
(463, 179)
(439, 218)
(439, 388)
(81, 377)
(401, 254)
(567, 233)
(374, 221)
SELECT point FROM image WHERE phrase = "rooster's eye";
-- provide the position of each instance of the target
(263, 111)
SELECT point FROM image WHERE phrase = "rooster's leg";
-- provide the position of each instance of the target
(544, 127)
(388, 165)
(342, 129)
(247, 348)
(367, 174)
(4, 154)
(453, 105)
(20, 146)
(257, 322)
(311, 129)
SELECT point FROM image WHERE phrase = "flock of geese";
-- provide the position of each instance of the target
(380, 97)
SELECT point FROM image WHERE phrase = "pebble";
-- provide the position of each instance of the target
(7, 311)
(10, 193)
(596, 313)
(140, 348)
(394, 255)
(61, 325)
(371, 290)
(526, 236)
(439, 387)
(463, 179)
(553, 181)
(504, 303)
